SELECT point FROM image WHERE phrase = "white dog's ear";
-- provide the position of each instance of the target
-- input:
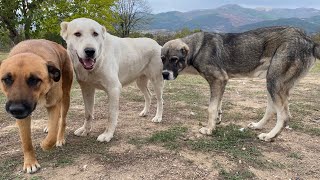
(63, 31)
(104, 32)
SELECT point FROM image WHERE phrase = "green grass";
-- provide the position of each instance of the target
(229, 139)
(299, 126)
(3, 55)
(295, 155)
(7, 167)
(316, 67)
(168, 137)
(36, 178)
(238, 175)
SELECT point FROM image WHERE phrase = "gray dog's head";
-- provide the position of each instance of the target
(174, 58)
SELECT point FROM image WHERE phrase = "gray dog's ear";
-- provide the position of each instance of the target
(184, 50)
(104, 32)
(63, 31)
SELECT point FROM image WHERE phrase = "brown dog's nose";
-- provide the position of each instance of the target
(19, 110)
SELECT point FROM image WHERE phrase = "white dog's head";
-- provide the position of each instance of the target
(84, 39)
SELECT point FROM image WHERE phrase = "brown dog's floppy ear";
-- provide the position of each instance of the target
(54, 72)
(63, 31)
(184, 50)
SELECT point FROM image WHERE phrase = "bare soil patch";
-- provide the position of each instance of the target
(173, 149)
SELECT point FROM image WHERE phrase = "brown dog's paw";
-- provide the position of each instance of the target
(46, 145)
(60, 142)
(31, 166)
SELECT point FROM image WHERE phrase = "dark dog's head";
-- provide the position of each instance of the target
(25, 78)
(174, 58)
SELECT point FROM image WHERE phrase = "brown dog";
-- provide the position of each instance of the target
(37, 72)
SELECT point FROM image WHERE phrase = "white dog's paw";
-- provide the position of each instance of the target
(60, 142)
(45, 130)
(206, 131)
(81, 132)
(143, 113)
(105, 137)
(265, 137)
(156, 119)
(254, 126)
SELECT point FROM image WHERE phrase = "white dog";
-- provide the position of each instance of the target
(103, 61)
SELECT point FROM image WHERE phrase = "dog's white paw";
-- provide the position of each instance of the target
(60, 143)
(265, 137)
(156, 119)
(143, 113)
(206, 131)
(105, 137)
(254, 126)
(81, 132)
(45, 130)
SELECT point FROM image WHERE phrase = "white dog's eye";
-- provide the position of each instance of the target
(77, 34)
(95, 34)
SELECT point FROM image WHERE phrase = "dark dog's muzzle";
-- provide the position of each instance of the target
(165, 75)
(20, 109)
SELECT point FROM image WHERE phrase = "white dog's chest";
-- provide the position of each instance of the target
(89, 77)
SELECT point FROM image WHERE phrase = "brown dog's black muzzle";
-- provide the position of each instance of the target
(20, 109)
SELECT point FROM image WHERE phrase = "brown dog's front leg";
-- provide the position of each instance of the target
(54, 113)
(31, 164)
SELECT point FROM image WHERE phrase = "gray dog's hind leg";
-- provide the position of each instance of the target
(270, 111)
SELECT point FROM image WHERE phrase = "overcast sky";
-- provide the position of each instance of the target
(188, 5)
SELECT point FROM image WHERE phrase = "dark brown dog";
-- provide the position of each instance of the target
(37, 72)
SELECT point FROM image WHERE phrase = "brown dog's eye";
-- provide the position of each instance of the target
(95, 34)
(33, 81)
(77, 34)
(7, 80)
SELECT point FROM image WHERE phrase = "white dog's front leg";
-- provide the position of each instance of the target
(113, 96)
(88, 98)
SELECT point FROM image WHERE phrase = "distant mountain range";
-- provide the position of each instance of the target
(234, 18)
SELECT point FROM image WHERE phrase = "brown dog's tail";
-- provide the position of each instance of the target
(316, 51)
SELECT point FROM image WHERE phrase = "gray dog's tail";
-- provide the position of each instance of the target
(316, 51)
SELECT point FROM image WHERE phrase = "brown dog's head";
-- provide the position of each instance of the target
(25, 78)
(174, 56)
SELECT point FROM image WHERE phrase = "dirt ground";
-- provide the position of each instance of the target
(173, 149)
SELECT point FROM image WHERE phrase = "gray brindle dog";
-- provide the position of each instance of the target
(282, 55)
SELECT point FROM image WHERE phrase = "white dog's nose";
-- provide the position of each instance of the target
(89, 52)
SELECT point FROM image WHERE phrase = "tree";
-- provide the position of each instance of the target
(131, 15)
(8, 18)
(66, 10)
(25, 19)
(18, 17)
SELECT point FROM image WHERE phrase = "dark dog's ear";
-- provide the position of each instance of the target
(184, 50)
(54, 72)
